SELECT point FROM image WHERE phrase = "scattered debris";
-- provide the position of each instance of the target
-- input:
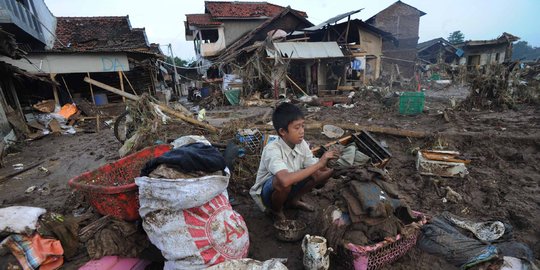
(441, 163)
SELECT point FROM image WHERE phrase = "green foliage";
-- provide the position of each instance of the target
(522, 50)
(179, 62)
(456, 37)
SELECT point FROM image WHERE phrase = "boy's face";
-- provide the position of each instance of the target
(294, 133)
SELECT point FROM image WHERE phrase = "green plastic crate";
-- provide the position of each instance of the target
(411, 103)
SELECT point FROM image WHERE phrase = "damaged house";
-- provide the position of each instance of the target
(360, 45)
(48, 58)
(402, 21)
(485, 52)
(288, 52)
(106, 49)
(438, 51)
(24, 25)
(224, 24)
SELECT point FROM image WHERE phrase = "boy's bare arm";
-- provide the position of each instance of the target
(285, 178)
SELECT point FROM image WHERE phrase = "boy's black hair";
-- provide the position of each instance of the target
(284, 114)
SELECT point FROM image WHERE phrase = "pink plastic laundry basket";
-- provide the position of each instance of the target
(385, 252)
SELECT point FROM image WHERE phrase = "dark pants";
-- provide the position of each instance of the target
(268, 189)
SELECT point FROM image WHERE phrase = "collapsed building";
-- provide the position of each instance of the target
(287, 52)
(57, 53)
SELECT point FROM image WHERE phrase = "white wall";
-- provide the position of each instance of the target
(71, 63)
(211, 49)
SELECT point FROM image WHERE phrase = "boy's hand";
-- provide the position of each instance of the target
(328, 155)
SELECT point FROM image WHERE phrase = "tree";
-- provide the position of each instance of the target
(522, 50)
(456, 37)
(179, 62)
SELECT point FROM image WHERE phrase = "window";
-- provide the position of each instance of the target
(210, 35)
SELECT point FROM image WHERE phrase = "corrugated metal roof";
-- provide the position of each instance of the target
(334, 19)
(307, 50)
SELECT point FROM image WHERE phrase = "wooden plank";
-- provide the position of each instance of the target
(55, 126)
(298, 39)
(15, 173)
(346, 88)
(358, 54)
(36, 125)
(15, 120)
(111, 89)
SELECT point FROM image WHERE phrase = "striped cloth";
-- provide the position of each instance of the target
(35, 252)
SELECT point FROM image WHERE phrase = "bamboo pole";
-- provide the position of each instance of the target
(67, 88)
(129, 83)
(91, 90)
(296, 85)
(55, 90)
(121, 84)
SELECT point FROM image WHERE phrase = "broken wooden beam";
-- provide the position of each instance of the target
(182, 115)
(15, 173)
(296, 85)
(370, 128)
(111, 89)
(186, 118)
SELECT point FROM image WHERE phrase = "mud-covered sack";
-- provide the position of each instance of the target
(191, 221)
(178, 194)
(250, 264)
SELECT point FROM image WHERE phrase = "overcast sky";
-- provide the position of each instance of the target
(480, 19)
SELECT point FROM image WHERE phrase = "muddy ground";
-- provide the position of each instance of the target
(503, 183)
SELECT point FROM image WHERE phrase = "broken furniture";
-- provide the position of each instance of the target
(441, 163)
(365, 143)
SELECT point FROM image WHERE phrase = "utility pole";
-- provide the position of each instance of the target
(175, 86)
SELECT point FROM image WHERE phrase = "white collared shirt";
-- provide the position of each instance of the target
(277, 156)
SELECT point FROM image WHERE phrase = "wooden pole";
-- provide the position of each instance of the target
(370, 128)
(91, 90)
(181, 115)
(67, 88)
(132, 89)
(296, 85)
(122, 84)
(55, 90)
(186, 118)
(111, 89)
(98, 128)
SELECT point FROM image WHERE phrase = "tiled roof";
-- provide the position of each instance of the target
(238, 9)
(201, 20)
(91, 34)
